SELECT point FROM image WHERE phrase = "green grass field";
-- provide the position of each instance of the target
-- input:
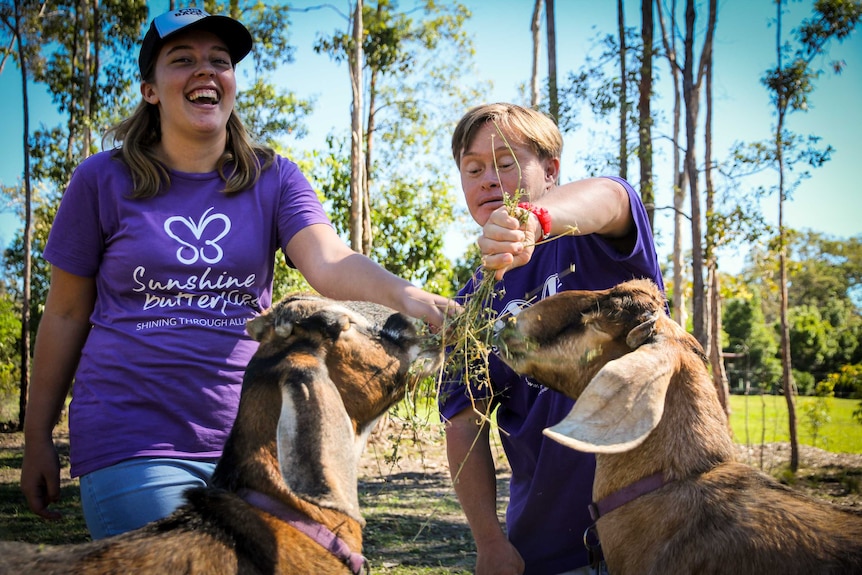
(759, 419)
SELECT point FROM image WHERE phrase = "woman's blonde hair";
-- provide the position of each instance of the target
(239, 166)
(534, 128)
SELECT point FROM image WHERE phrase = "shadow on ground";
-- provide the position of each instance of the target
(413, 519)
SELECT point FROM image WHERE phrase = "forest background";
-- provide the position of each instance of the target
(425, 63)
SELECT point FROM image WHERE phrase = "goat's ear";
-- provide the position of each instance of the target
(622, 404)
(639, 334)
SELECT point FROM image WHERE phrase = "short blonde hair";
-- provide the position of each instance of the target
(534, 128)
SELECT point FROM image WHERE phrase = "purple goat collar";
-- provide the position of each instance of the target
(317, 532)
(625, 495)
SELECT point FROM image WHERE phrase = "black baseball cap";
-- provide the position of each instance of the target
(163, 26)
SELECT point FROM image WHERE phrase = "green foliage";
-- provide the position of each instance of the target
(827, 268)
(412, 216)
(749, 336)
(467, 265)
(824, 302)
(269, 25)
(811, 341)
(804, 382)
(396, 43)
(417, 84)
(816, 413)
(847, 381)
(408, 217)
(790, 84)
(270, 114)
(826, 324)
(287, 280)
(40, 271)
(93, 93)
(831, 19)
(10, 345)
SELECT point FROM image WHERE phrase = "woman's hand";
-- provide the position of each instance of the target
(500, 558)
(431, 308)
(40, 477)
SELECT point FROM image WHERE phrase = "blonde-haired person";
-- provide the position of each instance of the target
(605, 239)
(161, 250)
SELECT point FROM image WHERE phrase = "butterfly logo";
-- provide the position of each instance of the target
(199, 240)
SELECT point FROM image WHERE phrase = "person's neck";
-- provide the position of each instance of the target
(197, 156)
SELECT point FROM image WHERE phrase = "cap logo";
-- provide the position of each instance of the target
(170, 22)
(230, 31)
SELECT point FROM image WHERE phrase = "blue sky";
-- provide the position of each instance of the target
(744, 49)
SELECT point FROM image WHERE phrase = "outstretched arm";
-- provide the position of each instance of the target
(590, 206)
(336, 271)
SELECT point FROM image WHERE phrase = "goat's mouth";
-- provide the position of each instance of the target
(512, 345)
(204, 96)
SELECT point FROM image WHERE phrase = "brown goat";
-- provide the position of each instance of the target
(671, 498)
(284, 494)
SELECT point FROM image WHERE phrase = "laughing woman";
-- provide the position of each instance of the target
(162, 248)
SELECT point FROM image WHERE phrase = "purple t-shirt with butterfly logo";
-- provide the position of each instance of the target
(551, 485)
(177, 277)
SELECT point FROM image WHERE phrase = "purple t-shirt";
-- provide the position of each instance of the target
(177, 276)
(551, 485)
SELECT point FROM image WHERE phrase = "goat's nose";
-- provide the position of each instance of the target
(509, 340)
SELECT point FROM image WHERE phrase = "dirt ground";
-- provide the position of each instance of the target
(413, 516)
(414, 522)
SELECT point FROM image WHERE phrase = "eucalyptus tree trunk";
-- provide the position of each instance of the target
(357, 196)
(624, 104)
(535, 25)
(680, 180)
(367, 240)
(691, 96)
(86, 57)
(692, 82)
(786, 371)
(719, 374)
(644, 113)
(28, 222)
(553, 99)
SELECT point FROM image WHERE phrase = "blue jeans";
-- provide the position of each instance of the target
(134, 492)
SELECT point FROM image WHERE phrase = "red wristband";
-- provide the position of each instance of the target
(542, 215)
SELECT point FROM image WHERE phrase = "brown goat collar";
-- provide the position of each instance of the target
(626, 494)
(317, 532)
